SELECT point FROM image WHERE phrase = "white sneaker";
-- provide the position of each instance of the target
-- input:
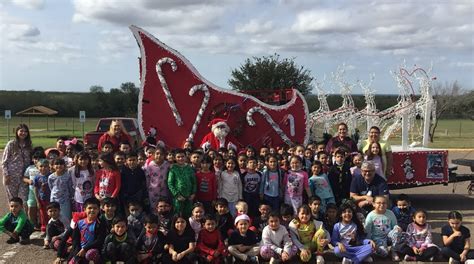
(395, 256)
(319, 260)
(368, 259)
(453, 261)
(274, 261)
(346, 261)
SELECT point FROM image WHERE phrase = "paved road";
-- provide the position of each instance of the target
(437, 200)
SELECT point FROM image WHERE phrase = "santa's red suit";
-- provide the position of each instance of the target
(211, 141)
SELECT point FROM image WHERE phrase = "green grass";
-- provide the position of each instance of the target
(44, 131)
(452, 133)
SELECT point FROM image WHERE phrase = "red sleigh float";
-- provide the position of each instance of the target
(179, 103)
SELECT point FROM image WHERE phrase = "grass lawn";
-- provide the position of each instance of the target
(44, 131)
(452, 133)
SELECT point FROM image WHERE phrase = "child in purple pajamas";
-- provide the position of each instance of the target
(348, 238)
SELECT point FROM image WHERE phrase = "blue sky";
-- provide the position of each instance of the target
(58, 45)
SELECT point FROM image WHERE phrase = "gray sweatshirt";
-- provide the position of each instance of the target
(278, 240)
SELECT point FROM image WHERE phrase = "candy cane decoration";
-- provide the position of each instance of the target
(204, 103)
(269, 119)
(166, 90)
(291, 119)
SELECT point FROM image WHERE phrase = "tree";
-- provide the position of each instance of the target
(271, 73)
(131, 96)
(96, 89)
(447, 98)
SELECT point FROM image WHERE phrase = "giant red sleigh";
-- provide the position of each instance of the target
(177, 101)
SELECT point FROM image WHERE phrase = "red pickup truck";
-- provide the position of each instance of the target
(131, 125)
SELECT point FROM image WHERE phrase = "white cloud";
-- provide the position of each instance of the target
(16, 29)
(29, 4)
(211, 43)
(50, 46)
(113, 44)
(172, 4)
(462, 64)
(23, 43)
(58, 59)
(255, 26)
(309, 27)
(325, 21)
(20, 31)
(319, 33)
(174, 18)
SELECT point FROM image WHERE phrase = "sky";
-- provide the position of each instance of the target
(59, 45)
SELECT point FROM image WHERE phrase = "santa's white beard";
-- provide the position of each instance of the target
(221, 133)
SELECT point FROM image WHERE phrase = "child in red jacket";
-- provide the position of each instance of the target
(210, 247)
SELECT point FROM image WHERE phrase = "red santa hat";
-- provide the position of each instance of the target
(218, 122)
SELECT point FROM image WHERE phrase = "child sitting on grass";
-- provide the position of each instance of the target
(380, 224)
(135, 218)
(223, 218)
(151, 243)
(210, 247)
(109, 212)
(56, 226)
(16, 224)
(118, 245)
(456, 239)
(243, 243)
(308, 235)
(276, 242)
(87, 235)
(420, 245)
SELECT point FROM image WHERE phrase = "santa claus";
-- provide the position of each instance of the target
(219, 136)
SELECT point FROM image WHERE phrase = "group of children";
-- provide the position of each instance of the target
(183, 206)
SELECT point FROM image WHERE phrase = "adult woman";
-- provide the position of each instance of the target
(387, 158)
(343, 138)
(116, 134)
(16, 157)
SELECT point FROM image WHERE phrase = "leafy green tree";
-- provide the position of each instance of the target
(131, 97)
(96, 89)
(271, 73)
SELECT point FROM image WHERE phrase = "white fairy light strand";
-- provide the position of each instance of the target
(270, 120)
(166, 90)
(291, 120)
(205, 101)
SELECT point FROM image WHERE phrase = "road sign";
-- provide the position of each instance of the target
(82, 116)
(8, 114)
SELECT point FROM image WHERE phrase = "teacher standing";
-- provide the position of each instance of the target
(16, 157)
(343, 138)
(116, 135)
(387, 157)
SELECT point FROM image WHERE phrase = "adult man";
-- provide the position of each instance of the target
(368, 185)
(219, 137)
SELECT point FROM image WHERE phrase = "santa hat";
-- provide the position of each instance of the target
(240, 218)
(218, 122)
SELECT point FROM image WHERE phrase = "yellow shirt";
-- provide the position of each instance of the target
(384, 147)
